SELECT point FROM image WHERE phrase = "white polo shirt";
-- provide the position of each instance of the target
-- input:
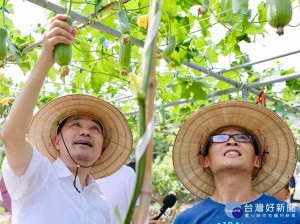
(118, 189)
(45, 195)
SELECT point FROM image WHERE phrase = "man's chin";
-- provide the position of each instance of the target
(85, 160)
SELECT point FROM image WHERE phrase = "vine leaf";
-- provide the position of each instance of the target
(98, 4)
(240, 6)
(193, 88)
(13, 49)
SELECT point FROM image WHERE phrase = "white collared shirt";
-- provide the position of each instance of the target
(118, 189)
(45, 195)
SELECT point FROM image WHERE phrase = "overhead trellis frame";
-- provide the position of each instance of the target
(101, 27)
(232, 90)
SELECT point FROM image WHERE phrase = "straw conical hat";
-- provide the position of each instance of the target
(267, 127)
(44, 125)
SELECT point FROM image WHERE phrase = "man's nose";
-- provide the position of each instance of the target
(85, 131)
(231, 141)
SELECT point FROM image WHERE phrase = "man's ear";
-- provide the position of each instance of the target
(204, 161)
(257, 161)
(287, 194)
(56, 142)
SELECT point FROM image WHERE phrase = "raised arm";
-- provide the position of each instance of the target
(17, 148)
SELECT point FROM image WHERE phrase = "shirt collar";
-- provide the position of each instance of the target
(63, 171)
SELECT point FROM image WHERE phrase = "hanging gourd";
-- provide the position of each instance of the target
(3, 51)
(63, 52)
(125, 42)
(204, 8)
(3, 36)
(279, 14)
(162, 118)
(169, 50)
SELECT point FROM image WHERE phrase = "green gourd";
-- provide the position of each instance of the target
(125, 54)
(279, 14)
(204, 8)
(162, 118)
(169, 50)
(63, 54)
(125, 42)
(3, 51)
(123, 22)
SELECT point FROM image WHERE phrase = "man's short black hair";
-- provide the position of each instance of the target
(287, 186)
(60, 126)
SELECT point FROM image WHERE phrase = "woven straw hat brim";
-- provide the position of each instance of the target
(43, 128)
(266, 126)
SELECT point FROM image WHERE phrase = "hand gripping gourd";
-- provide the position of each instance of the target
(63, 54)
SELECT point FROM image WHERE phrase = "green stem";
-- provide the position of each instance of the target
(169, 22)
(138, 9)
(69, 9)
(120, 4)
(3, 15)
(147, 64)
(141, 163)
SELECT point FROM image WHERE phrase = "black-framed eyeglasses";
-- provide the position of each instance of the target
(225, 137)
(220, 138)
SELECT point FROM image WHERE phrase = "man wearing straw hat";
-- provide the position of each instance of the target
(71, 140)
(234, 155)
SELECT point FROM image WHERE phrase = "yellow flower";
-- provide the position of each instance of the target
(142, 21)
(292, 190)
(134, 82)
(4, 100)
(276, 61)
(1, 75)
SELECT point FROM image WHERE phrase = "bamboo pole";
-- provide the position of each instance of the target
(146, 97)
(146, 190)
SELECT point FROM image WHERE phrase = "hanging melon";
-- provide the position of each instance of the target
(63, 54)
(3, 51)
(279, 14)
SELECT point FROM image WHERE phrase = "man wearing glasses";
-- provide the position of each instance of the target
(235, 155)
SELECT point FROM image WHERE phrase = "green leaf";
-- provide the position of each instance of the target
(262, 18)
(52, 74)
(96, 82)
(180, 28)
(293, 84)
(169, 7)
(190, 88)
(211, 54)
(98, 5)
(205, 25)
(80, 79)
(13, 49)
(240, 6)
(118, 216)
(25, 66)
